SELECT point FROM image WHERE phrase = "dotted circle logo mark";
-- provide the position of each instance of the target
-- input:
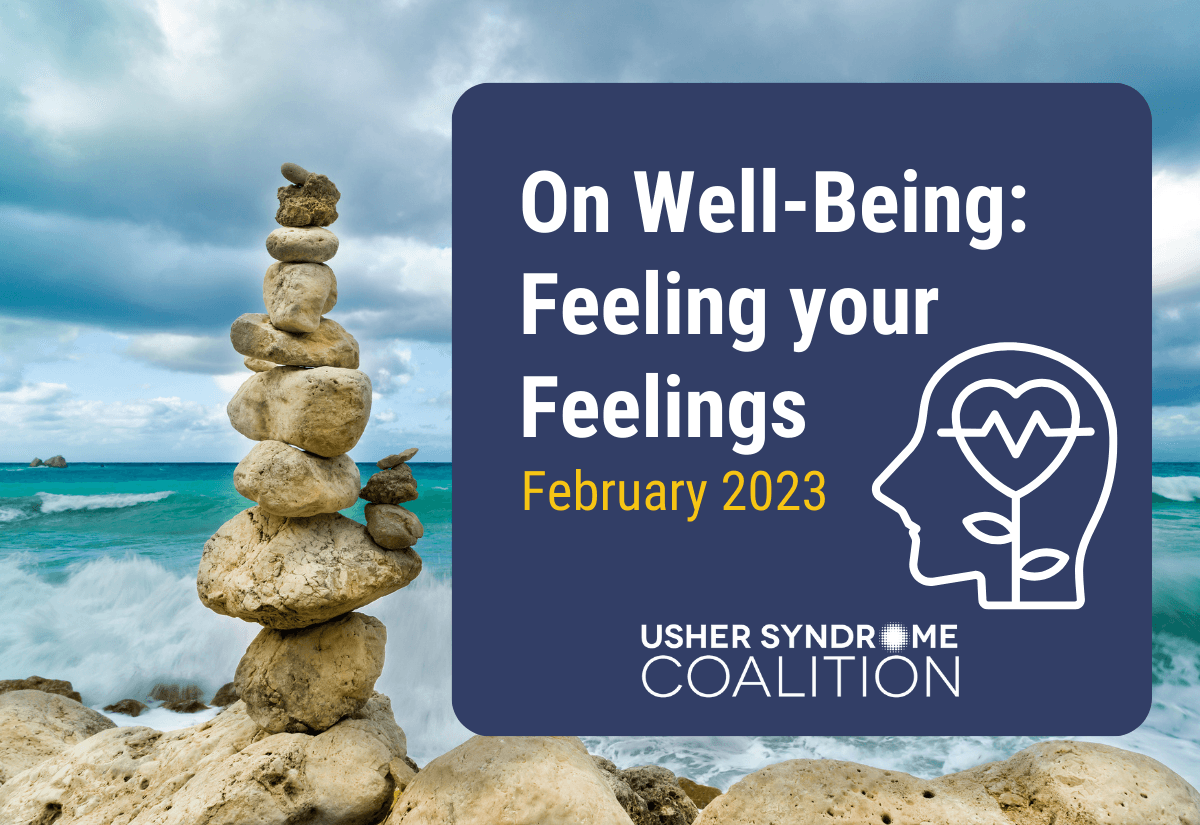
(894, 637)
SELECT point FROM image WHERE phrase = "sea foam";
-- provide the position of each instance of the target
(55, 503)
(1176, 488)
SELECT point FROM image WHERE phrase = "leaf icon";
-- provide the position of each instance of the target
(1045, 553)
(1000, 538)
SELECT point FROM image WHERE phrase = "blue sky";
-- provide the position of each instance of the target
(142, 141)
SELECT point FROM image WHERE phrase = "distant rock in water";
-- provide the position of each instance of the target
(59, 686)
(127, 707)
(163, 692)
(56, 461)
(185, 706)
(37, 462)
(227, 695)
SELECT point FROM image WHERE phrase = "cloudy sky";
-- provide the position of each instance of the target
(141, 143)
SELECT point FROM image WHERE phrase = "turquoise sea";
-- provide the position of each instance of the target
(97, 576)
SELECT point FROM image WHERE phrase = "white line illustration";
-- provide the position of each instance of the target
(1010, 525)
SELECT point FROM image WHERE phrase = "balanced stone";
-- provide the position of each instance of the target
(392, 486)
(295, 572)
(290, 482)
(314, 203)
(253, 334)
(322, 410)
(398, 458)
(392, 526)
(304, 681)
(294, 172)
(297, 295)
(258, 365)
(310, 244)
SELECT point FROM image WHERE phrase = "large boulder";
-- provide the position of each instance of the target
(304, 681)
(295, 572)
(308, 244)
(804, 791)
(666, 801)
(627, 798)
(226, 771)
(290, 482)
(35, 726)
(254, 336)
(510, 780)
(297, 295)
(394, 485)
(392, 526)
(322, 410)
(60, 686)
(1082, 783)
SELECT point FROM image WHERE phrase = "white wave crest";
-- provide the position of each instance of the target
(55, 503)
(11, 514)
(1177, 488)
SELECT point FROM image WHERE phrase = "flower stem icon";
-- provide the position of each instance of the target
(1012, 525)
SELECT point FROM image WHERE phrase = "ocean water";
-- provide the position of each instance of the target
(97, 585)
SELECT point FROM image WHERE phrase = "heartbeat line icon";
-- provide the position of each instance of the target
(995, 422)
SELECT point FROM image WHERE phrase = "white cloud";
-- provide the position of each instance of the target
(231, 382)
(183, 353)
(1175, 422)
(1176, 228)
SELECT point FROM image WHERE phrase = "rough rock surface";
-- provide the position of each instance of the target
(700, 794)
(398, 458)
(666, 801)
(172, 692)
(59, 686)
(510, 780)
(185, 706)
(303, 681)
(254, 335)
(1082, 783)
(223, 772)
(37, 462)
(308, 244)
(804, 791)
(35, 726)
(258, 365)
(392, 486)
(311, 203)
(295, 572)
(632, 804)
(290, 482)
(226, 696)
(126, 707)
(392, 526)
(56, 461)
(297, 295)
(322, 410)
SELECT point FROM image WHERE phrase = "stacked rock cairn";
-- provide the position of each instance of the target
(293, 563)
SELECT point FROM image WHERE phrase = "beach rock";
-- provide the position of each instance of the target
(226, 771)
(37, 462)
(393, 486)
(514, 780)
(803, 791)
(126, 707)
(1083, 783)
(35, 726)
(392, 526)
(398, 458)
(297, 295)
(185, 706)
(304, 681)
(322, 410)
(632, 804)
(666, 801)
(56, 461)
(59, 686)
(253, 335)
(290, 482)
(700, 794)
(308, 244)
(312, 203)
(226, 696)
(294, 172)
(172, 692)
(287, 573)
(258, 365)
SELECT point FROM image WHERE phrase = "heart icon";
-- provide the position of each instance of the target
(1015, 446)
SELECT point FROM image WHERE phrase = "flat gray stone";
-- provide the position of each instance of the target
(392, 526)
(398, 458)
(330, 345)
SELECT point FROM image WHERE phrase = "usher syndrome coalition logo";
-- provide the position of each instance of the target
(694, 328)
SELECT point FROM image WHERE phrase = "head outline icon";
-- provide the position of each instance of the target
(958, 432)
